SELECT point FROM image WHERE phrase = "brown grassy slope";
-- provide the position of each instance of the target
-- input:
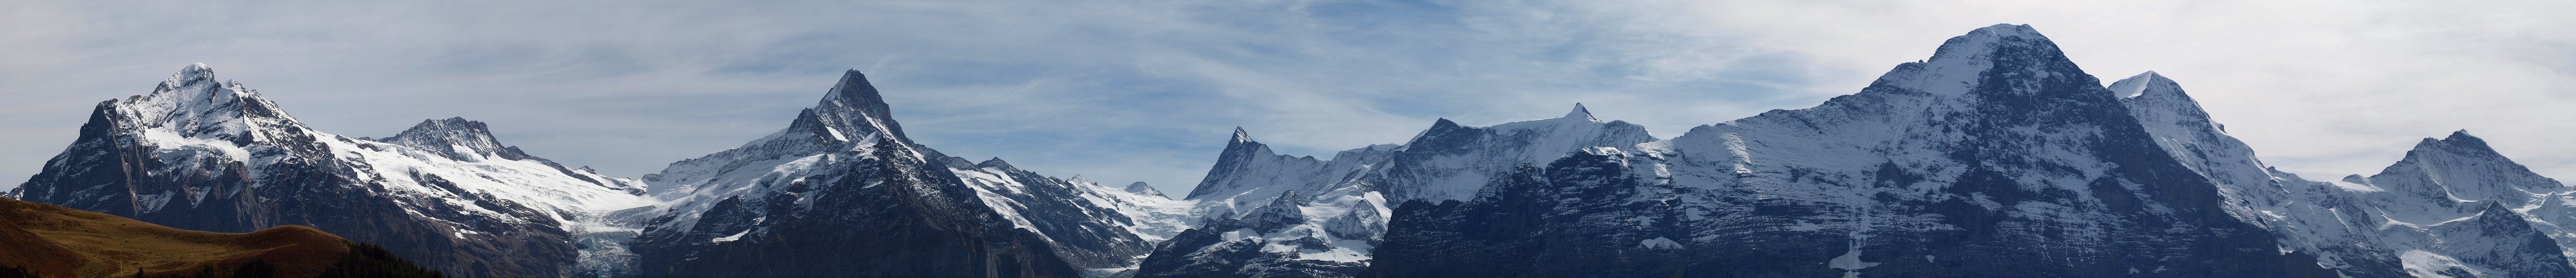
(55, 241)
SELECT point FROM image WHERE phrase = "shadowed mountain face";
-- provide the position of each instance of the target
(53, 241)
(841, 192)
(201, 154)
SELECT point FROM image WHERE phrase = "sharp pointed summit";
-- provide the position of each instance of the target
(1240, 137)
(2144, 84)
(853, 110)
(1580, 113)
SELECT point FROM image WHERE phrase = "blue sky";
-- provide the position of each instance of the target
(1149, 90)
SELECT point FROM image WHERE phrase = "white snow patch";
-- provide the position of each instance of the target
(731, 238)
(2423, 264)
(1661, 243)
(1803, 226)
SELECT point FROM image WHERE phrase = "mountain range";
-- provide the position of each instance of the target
(1996, 157)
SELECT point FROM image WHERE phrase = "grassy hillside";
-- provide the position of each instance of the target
(53, 241)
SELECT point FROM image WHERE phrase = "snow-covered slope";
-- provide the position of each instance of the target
(207, 155)
(842, 191)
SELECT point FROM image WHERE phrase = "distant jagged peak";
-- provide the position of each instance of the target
(848, 116)
(2464, 152)
(194, 84)
(1242, 143)
(191, 74)
(2459, 142)
(2147, 84)
(997, 162)
(1241, 137)
(854, 89)
(447, 134)
(1281, 213)
(1141, 189)
(1444, 123)
(1580, 113)
(465, 140)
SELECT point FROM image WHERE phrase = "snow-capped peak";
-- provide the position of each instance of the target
(196, 76)
(2145, 83)
(851, 111)
(2459, 143)
(1240, 137)
(193, 72)
(195, 105)
(2463, 167)
(1984, 40)
(1962, 62)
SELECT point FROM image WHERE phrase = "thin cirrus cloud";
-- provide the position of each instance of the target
(1148, 90)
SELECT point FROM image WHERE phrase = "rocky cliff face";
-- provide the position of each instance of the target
(206, 155)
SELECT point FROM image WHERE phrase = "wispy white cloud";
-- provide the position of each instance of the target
(1147, 90)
